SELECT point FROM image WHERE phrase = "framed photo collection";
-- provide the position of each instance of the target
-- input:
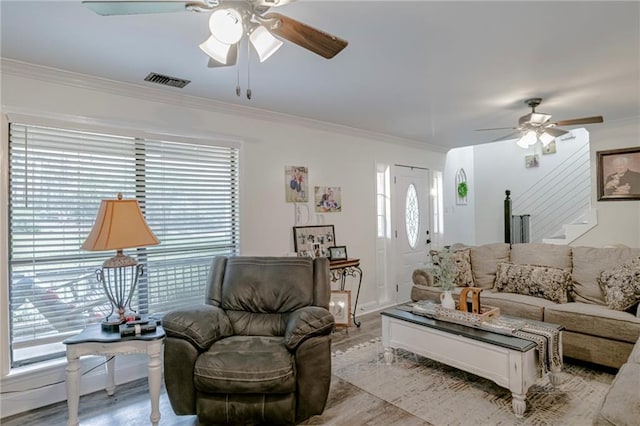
(314, 241)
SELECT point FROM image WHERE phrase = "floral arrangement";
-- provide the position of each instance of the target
(444, 269)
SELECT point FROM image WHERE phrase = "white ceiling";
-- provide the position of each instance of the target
(426, 71)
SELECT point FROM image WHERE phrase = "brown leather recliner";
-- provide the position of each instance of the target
(259, 349)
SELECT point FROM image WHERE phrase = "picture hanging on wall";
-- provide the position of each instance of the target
(618, 172)
(462, 188)
(549, 149)
(532, 160)
(328, 199)
(296, 181)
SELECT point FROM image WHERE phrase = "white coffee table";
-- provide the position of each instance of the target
(508, 361)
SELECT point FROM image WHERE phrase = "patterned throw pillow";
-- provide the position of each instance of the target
(462, 259)
(540, 281)
(621, 285)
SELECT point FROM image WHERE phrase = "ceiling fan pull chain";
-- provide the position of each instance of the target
(238, 89)
(248, 71)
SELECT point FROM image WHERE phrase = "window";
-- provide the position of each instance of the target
(383, 204)
(412, 215)
(57, 178)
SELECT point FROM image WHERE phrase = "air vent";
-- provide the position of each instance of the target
(166, 80)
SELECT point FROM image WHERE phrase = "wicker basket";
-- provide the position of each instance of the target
(466, 318)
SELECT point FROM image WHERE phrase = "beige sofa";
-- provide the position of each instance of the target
(593, 331)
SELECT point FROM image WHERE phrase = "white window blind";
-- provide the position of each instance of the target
(188, 192)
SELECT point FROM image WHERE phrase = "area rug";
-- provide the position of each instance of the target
(443, 395)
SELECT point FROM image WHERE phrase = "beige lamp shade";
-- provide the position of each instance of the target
(119, 225)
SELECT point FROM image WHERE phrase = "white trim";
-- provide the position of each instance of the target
(121, 128)
(54, 75)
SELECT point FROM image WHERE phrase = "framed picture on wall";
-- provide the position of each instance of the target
(618, 173)
(313, 241)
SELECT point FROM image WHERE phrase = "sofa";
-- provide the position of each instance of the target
(621, 405)
(585, 289)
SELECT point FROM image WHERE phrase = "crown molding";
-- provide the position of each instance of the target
(84, 81)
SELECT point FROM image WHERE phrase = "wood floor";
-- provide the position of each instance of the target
(347, 404)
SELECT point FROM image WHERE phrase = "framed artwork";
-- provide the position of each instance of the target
(340, 307)
(328, 199)
(531, 161)
(618, 172)
(550, 148)
(296, 181)
(313, 241)
(338, 253)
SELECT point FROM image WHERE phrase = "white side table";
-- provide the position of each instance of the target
(94, 341)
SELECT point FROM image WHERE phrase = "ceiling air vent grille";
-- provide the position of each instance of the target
(166, 80)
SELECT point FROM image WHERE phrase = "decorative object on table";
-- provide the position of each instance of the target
(328, 199)
(462, 188)
(313, 241)
(119, 225)
(296, 178)
(340, 307)
(444, 272)
(463, 303)
(532, 160)
(137, 328)
(338, 253)
(618, 172)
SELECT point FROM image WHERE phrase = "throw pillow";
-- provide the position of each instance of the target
(621, 285)
(540, 281)
(462, 259)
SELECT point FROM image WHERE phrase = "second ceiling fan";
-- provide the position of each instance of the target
(537, 126)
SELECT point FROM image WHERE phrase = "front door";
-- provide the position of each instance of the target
(412, 221)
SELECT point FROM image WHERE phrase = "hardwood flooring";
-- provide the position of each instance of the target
(347, 404)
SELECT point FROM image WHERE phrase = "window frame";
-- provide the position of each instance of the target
(79, 124)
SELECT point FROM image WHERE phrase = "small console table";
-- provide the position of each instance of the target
(93, 341)
(340, 270)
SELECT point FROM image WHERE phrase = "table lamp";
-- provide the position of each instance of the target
(119, 225)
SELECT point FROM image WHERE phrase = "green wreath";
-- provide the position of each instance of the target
(462, 189)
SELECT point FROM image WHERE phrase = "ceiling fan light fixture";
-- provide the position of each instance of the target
(226, 25)
(216, 50)
(527, 140)
(264, 43)
(546, 138)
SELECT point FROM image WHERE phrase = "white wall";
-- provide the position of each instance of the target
(618, 221)
(335, 156)
(500, 165)
(459, 219)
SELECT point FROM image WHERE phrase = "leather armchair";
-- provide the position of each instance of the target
(259, 349)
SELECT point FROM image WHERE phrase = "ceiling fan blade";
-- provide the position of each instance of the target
(578, 121)
(496, 128)
(555, 132)
(507, 137)
(114, 7)
(313, 39)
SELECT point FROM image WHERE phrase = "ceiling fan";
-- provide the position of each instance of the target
(537, 126)
(230, 21)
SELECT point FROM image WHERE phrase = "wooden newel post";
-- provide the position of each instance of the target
(507, 217)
